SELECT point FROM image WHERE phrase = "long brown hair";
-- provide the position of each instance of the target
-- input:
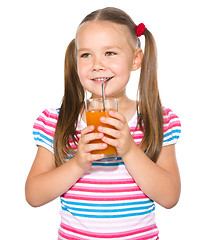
(150, 118)
(72, 103)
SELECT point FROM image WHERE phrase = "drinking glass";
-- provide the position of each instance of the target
(95, 109)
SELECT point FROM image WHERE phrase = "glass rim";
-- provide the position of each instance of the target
(101, 99)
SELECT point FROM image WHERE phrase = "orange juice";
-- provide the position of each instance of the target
(93, 118)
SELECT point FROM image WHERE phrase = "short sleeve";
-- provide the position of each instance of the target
(44, 128)
(172, 127)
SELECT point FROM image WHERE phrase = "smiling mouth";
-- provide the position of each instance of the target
(102, 79)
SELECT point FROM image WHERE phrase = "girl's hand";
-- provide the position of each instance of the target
(83, 156)
(121, 137)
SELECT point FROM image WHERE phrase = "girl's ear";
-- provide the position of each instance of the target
(138, 57)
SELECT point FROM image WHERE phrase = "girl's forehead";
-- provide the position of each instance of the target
(103, 24)
(106, 32)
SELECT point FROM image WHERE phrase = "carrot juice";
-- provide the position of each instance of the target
(93, 118)
(95, 109)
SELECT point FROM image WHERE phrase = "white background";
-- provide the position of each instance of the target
(34, 37)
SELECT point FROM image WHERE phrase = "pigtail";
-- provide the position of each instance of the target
(150, 118)
(72, 103)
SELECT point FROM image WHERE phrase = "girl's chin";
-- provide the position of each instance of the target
(98, 93)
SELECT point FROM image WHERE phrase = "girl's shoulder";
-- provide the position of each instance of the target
(52, 113)
(170, 119)
(44, 128)
(47, 119)
(171, 127)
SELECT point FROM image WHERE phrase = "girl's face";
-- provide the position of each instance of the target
(105, 50)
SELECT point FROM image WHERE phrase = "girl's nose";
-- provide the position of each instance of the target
(98, 64)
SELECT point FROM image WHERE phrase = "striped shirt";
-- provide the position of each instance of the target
(106, 203)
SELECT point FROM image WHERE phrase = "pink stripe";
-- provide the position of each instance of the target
(172, 125)
(46, 122)
(68, 236)
(166, 121)
(132, 129)
(49, 114)
(147, 237)
(111, 181)
(166, 111)
(104, 198)
(73, 146)
(71, 140)
(111, 235)
(138, 136)
(105, 190)
(169, 116)
(42, 128)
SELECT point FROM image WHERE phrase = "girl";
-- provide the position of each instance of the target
(107, 199)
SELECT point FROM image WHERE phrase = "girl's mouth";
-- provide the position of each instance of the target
(102, 79)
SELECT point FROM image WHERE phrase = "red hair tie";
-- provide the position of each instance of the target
(140, 29)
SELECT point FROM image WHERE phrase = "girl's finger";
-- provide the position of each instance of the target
(113, 122)
(91, 136)
(95, 146)
(95, 157)
(109, 131)
(117, 115)
(87, 130)
(110, 141)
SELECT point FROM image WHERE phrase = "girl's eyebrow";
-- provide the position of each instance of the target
(105, 48)
(112, 47)
(84, 49)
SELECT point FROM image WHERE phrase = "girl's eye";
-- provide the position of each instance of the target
(85, 55)
(110, 53)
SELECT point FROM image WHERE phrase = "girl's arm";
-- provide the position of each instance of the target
(46, 182)
(160, 181)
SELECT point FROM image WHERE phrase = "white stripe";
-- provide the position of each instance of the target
(108, 225)
(106, 185)
(127, 201)
(105, 194)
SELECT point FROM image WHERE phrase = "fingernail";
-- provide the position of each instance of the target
(102, 118)
(100, 135)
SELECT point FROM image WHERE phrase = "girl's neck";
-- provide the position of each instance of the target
(127, 107)
(123, 101)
